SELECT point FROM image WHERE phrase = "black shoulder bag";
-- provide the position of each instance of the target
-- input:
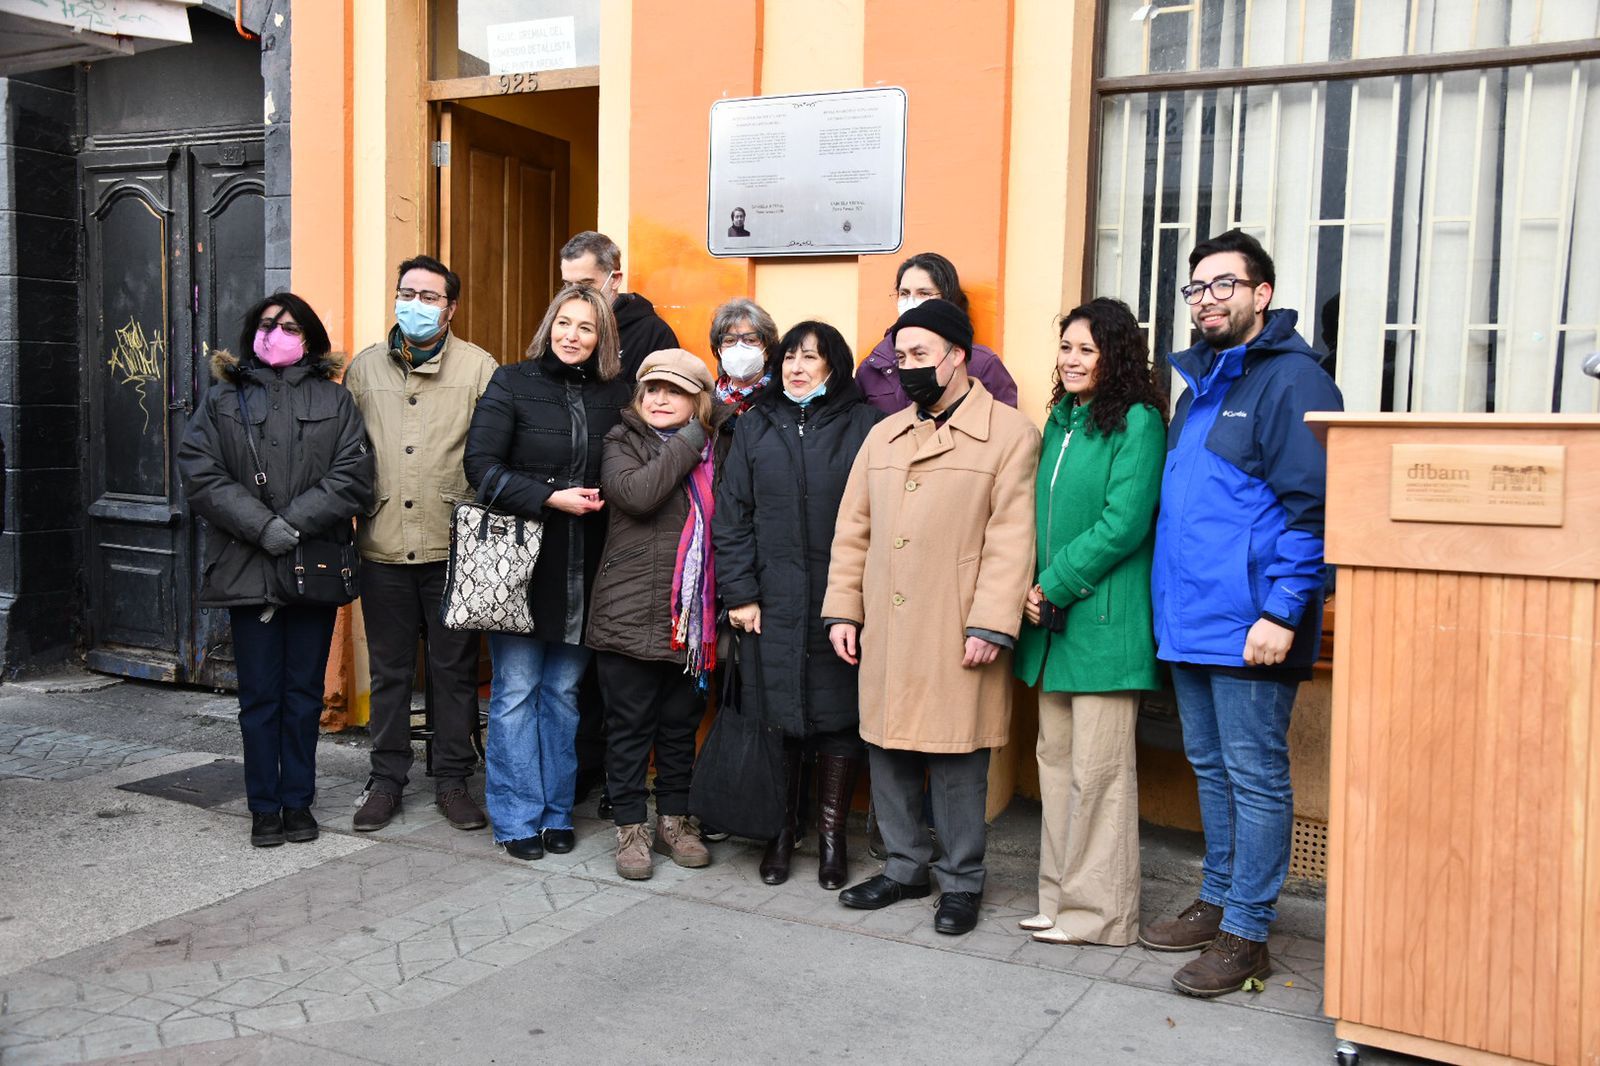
(738, 783)
(323, 570)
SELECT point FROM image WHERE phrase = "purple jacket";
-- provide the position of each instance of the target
(878, 381)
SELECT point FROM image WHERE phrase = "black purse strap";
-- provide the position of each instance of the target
(250, 440)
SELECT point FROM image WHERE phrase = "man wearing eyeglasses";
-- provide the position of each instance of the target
(417, 392)
(593, 259)
(1237, 587)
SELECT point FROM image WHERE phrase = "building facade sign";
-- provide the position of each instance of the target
(814, 174)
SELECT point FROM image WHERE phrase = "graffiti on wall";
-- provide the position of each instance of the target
(136, 363)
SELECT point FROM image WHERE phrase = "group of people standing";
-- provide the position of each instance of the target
(886, 545)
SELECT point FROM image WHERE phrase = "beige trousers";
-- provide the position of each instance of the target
(1089, 840)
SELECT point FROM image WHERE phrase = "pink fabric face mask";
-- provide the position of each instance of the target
(277, 348)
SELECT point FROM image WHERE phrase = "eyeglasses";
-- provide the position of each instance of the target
(1221, 288)
(731, 340)
(266, 325)
(427, 296)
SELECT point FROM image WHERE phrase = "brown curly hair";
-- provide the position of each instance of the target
(1124, 377)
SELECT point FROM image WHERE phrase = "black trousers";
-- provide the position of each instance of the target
(281, 663)
(648, 705)
(396, 601)
(591, 739)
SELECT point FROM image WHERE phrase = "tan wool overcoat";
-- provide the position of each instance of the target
(935, 538)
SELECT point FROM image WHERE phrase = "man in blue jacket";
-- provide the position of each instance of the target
(1237, 586)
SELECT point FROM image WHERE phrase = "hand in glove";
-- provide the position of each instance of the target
(279, 537)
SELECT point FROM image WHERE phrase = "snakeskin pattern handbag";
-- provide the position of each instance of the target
(492, 556)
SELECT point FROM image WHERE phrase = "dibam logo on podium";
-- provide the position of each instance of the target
(1429, 472)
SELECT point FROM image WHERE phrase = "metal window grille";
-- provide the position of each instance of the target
(1429, 227)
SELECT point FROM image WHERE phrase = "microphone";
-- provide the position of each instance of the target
(1591, 364)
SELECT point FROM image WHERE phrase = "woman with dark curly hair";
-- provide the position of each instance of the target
(1089, 644)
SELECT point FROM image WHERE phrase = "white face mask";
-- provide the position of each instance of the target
(743, 361)
(906, 303)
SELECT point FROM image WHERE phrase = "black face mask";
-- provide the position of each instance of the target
(922, 382)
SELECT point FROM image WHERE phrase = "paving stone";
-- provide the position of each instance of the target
(268, 1019)
(51, 1052)
(177, 1032)
(121, 1042)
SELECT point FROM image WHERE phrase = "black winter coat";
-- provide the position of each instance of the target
(545, 422)
(319, 467)
(640, 331)
(773, 534)
(631, 613)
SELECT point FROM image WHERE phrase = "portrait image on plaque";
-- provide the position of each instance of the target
(811, 174)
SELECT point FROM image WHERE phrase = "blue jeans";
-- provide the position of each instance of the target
(531, 761)
(280, 664)
(1236, 734)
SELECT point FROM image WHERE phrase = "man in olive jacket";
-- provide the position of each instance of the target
(932, 560)
(417, 392)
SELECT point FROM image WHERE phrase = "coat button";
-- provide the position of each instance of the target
(898, 599)
(411, 555)
(409, 449)
(911, 486)
(408, 503)
(412, 401)
(1083, 592)
(899, 542)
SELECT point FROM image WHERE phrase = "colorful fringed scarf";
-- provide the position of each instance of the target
(740, 396)
(694, 583)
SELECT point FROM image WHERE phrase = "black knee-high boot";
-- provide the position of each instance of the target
(836, 784)
(775, 863)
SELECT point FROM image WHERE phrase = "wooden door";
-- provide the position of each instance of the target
(502, 220)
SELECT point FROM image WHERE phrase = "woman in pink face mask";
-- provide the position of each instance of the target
(276, 451)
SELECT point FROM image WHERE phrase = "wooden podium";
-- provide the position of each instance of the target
(1464, 837)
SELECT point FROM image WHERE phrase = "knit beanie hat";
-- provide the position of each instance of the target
(943, 318)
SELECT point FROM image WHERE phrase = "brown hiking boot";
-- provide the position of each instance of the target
(1195, 927)
(1224, 967)
(455, 803)
(376, 812)
(633, 852)
(677, 836)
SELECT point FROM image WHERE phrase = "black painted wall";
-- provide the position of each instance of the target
(41, 549)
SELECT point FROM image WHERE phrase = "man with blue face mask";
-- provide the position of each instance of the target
(417, 392)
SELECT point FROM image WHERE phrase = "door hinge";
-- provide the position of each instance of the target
(439, 152)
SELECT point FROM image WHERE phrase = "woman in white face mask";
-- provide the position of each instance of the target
(927, 276)
(744, 338)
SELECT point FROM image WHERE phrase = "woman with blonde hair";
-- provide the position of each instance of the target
(534, 446)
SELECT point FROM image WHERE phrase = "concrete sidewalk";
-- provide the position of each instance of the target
(141, 929)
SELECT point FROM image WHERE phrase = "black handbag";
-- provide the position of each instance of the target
(321, 570)
(738, 783)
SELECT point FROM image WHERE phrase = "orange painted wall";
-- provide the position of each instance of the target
(953, 58)
(679, 69)
(321, 233)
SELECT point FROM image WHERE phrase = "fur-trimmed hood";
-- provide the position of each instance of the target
(225, 366)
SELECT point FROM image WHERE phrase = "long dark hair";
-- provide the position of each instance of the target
(1123, 376)
(312, 331)
(943, 273)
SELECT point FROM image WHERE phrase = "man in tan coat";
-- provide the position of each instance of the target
(417, 392)
(932, 558)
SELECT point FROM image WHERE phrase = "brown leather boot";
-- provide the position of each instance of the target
(1224, 967)
(836, 784)
(780, 849)
(1195, 927)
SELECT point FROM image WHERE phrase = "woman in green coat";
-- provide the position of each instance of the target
(1089, 644)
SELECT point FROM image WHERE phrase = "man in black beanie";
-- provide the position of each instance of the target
(937, 521)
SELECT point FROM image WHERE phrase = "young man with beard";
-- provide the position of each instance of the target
(1237, 586)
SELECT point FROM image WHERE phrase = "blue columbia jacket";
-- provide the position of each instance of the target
(1239, 533)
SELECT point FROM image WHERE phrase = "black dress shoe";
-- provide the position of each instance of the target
(527, 849)
(603, 810)
(957, 913)
(880, 891)
(298, 825)
(558, 841)
(266, 830)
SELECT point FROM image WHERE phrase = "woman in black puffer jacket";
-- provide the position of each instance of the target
(318, 471)
(773, 533)
(542, 422)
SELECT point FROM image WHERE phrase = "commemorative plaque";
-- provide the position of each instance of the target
(814, 174)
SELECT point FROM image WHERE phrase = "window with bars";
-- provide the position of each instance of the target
(1417, 169)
